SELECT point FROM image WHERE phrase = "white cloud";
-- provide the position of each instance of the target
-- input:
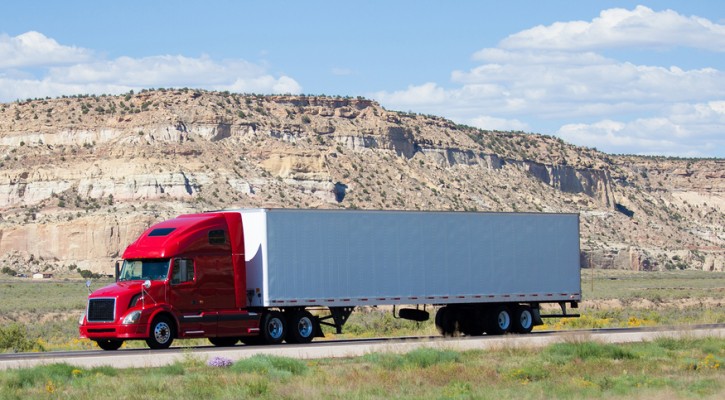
(34, 49)
(69, 70)
(641, 27)
(499, 124)
(685, 130)
(551, 79)
(425, 94)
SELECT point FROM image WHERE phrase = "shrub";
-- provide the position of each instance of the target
(14, 337)
(9, 271)
(86, 274)
(280, 367)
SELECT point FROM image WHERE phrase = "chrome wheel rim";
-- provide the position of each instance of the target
(304, 327)
(162, 332)
(275, 329)
(504, 320)
(526, 319)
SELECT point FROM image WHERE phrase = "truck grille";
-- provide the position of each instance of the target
(101, 310)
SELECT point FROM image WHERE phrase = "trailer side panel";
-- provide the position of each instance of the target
(322, 257)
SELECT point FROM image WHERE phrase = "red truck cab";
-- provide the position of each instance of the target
(182, 278)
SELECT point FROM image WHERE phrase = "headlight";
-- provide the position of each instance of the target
(82, 319)
(132, 318)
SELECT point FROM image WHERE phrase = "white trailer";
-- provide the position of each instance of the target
(489, 272)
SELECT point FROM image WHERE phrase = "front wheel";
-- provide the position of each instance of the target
(109, 344)
(273, 328)
(162, 333)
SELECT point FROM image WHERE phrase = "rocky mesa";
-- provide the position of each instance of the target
(82, 176)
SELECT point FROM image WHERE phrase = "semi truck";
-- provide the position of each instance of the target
(264, 276)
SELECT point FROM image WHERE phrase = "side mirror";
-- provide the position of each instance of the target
(118, 269)
(147, 284)
(88, 286)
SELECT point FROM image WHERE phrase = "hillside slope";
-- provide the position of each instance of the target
(81, 177)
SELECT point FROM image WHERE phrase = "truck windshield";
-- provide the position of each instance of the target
(134, 270)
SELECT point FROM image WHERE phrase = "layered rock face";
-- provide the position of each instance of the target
(80, 178)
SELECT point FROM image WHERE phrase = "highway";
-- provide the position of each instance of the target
(136, 358)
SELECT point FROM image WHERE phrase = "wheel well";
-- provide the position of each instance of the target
(170, 317)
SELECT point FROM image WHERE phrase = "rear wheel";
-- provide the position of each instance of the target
(499, 321)
(469, 322)
(523, 320)
(109, 344)
(162, 333)
(301, 327)
(223, 341)
(273, 328)
(446, 321)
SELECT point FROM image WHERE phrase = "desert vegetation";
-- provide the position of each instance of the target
(664, 368)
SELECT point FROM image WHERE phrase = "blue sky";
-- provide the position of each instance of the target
(642, 77)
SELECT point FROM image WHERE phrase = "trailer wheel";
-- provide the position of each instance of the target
(301, 327)
(273, 328)
(162, 333)
(523, 321)
(446, 321)
(109, 344)
(499, 321)
(469, 322)
(223, 341)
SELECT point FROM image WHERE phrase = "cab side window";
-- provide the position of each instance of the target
(217, 237)
(183, 271)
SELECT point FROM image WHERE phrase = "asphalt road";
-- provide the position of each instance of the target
(135, 358)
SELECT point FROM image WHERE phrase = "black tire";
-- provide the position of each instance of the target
(301, 327)
(162, 333)
(499, 321)
(446, 321)
(223, 341)
(273, 328)
(469, 322)
(109, 344)
(523, 320)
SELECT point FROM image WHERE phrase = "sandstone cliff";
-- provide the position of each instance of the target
(81, 177)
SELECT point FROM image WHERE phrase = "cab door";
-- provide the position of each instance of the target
(185, 298)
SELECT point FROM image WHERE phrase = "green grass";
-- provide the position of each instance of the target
(630, 286)
(23, 296)
(664, 368)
